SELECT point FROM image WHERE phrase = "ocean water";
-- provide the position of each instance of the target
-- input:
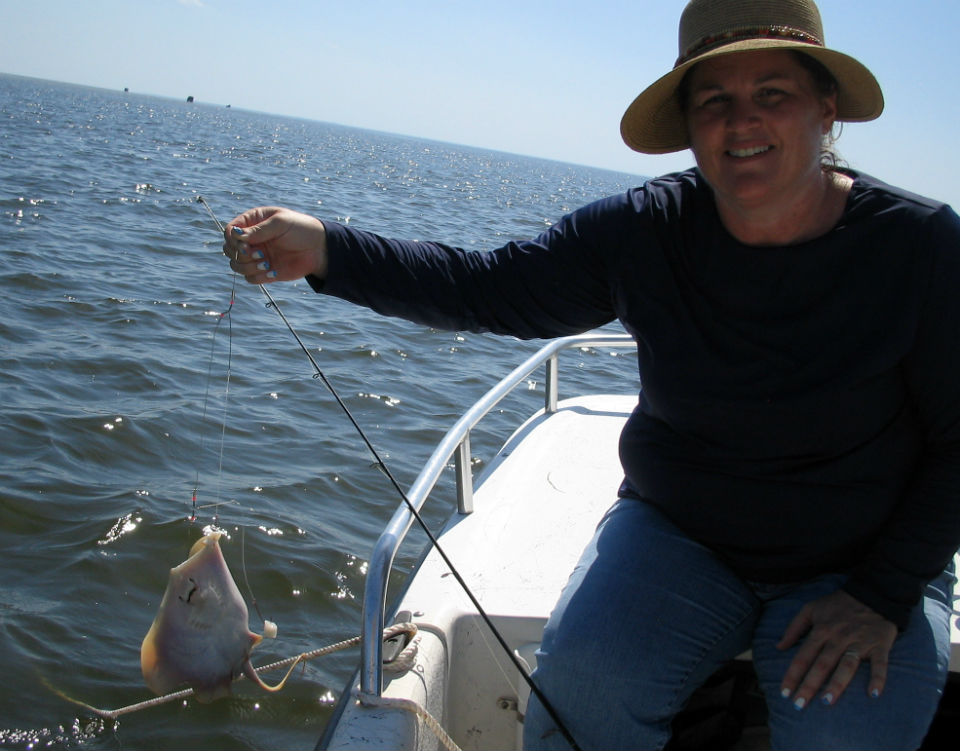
(122, 389)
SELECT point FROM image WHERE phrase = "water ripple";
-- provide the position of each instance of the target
(116, 408)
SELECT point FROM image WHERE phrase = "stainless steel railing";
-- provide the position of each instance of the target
(455, 443)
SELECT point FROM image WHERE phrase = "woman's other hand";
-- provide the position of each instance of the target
(841, 632)
(272, 244)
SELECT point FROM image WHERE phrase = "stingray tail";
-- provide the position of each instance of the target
(251, 673)
(105, 713)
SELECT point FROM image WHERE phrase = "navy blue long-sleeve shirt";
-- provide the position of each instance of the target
(800, 405)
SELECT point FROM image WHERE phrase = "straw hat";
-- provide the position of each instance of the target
(654, 122)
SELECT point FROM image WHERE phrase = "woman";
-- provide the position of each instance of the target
(792, 467)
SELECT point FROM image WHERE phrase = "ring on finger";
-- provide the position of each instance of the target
(852, 653)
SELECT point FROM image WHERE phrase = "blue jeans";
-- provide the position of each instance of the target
(649, 615)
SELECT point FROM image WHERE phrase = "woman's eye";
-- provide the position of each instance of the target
(715, 100)
(768, 95)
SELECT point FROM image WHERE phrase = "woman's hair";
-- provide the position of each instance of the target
(823, 79)
(825, 84)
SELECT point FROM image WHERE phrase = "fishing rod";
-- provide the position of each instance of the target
(319, 374)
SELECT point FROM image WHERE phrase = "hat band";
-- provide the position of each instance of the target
(755, 32)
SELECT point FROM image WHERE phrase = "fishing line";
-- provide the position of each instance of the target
(243, 567)
(319, 375)
(223, 316)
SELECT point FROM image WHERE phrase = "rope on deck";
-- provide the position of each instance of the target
(408, 705)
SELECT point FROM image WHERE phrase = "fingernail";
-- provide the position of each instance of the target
(263, 266)
(800, 703)
(785, 693)
(875, 693)
(272, 275)
(238, 230)
(257, 255)
(827, 699)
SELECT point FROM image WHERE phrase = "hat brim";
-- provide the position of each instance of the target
(654, 122)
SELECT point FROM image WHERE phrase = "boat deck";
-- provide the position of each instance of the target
(562, 472)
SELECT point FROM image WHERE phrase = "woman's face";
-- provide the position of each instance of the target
(756, 124)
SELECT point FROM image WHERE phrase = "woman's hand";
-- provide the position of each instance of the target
(841, 633)
(272, 244)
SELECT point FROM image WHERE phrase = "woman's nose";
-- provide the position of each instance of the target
(742, 112)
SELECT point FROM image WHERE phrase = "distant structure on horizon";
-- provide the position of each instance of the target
(190, 99)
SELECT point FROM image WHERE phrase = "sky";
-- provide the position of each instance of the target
(547, 78)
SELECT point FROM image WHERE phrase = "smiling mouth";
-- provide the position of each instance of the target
(742, 153)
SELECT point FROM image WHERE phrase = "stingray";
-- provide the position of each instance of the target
(201, 635)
